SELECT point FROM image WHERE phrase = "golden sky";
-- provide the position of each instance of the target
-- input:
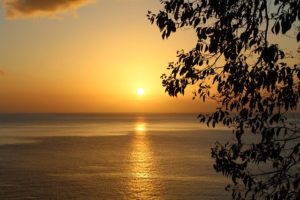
(90, 56)
(86, 56)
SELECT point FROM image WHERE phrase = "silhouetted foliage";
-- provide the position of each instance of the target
(254, 82)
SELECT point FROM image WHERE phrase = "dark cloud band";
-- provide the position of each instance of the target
(28, 8)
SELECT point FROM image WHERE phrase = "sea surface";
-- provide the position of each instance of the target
(109, 156)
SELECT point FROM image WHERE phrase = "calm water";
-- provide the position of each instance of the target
(111, 156)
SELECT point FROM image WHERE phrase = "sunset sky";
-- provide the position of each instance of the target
(86, 56)
(89, 56)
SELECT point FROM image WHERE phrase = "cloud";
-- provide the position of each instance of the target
(15, 9)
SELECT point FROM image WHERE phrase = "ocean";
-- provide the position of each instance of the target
(109, 156)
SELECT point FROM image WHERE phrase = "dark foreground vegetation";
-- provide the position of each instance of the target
(240, 62)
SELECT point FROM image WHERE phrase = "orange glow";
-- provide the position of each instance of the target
(74, 64)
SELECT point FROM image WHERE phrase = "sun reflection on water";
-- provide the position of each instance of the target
(141, 155)
(140, 128)
(141, 169)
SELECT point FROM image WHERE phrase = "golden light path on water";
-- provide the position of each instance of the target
(141, 168)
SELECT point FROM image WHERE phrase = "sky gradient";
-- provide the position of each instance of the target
(86, 56)
(91, 56)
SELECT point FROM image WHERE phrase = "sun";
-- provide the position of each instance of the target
(140, 91)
